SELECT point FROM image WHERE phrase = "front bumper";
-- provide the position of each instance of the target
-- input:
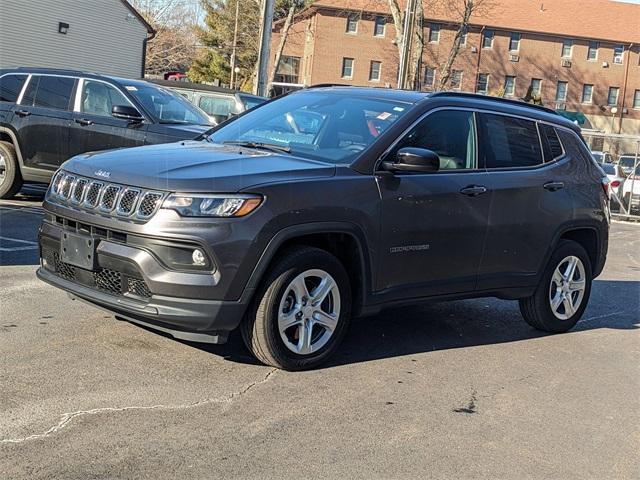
(134, 285)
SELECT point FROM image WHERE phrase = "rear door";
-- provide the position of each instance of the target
(42, 119)
(530, 197)
(94, 128)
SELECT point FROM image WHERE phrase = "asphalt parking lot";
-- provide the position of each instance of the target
(452, 390)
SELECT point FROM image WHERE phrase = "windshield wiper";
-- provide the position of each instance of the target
(259, 145)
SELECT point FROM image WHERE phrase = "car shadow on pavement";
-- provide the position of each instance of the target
(466, 323)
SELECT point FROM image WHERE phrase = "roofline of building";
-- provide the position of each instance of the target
(140, 18)
(476, 25)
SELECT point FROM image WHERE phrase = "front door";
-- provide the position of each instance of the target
(94, 128)
(434, 224)
(42, 120)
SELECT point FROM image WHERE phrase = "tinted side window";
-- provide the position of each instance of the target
(215, 105)
(10, 86)
(54, 92)
(450, 134)
(509, 142)
(550, 142)
(99, 98)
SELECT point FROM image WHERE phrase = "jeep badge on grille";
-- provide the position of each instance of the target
(102, 173)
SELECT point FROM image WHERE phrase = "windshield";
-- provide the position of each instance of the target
(628, 162)
(167, 106)
(251, 102)
(608, 168)
(322, 125)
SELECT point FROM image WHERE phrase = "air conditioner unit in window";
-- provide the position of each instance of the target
(474, 49)
(514, 58)
(605, 64)
(566, 63)
(561, 106)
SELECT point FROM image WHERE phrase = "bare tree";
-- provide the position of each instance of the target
(464, 9)
(174, 45)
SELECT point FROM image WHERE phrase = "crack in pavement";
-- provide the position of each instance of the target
(67, 418)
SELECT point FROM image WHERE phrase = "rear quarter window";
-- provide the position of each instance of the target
(10, 87)
(550, 143)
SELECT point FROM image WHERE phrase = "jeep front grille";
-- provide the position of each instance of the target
(107, 198)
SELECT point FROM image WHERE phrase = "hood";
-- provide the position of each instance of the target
(192, 166)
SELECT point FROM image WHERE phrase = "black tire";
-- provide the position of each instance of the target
(537, 310)
(260, 330)
(11, 183)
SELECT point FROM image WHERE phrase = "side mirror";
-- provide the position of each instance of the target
(126, 112)
(411, 159)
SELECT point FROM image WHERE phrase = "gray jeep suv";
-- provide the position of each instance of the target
(333, 203)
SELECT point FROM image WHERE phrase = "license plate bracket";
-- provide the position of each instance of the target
(78, 250)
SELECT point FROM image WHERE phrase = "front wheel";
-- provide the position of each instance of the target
(562, 295)
(10, 177)
(300, 314)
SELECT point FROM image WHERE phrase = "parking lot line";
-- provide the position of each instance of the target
(18, 249)
(17, 240)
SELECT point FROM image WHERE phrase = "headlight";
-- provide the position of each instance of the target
(212, 205)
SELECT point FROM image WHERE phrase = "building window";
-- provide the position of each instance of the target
(374, 71)
(587, 93)
(378, 29)
(429, 77)
(536, 87)
(434, 32)
(483, 83)
(561, 91)
(592, 54)
(636, 99)
(487, 39)
(288, 70)
(514, 43)
(352, 23)
(456, 79)
(567, 46)
(618, 54)
(509, 86)
(347, 67)
(463, 37)
(612, 98)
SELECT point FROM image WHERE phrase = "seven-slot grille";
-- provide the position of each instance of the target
(108, 198)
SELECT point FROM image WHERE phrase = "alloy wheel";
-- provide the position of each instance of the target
(309, 311)
(567, 288)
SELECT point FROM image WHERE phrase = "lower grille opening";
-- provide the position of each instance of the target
(103, 279)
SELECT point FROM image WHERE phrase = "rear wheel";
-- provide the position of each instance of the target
(562, 295)
(10, 177)
(300, 315)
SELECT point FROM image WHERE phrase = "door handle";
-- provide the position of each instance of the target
(473, 190)
(84, 122)
(553, 186)
(23, 113)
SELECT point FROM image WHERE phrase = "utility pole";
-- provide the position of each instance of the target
(260, 83)
(409, 22)
(235, 47)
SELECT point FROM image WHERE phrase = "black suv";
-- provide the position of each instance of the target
(330, 203)
(47, 116)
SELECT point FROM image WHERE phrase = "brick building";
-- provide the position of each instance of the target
(581, 56)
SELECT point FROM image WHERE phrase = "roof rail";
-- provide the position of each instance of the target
(325, 85)
(508, 101)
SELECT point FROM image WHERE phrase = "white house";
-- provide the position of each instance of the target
(102, 36)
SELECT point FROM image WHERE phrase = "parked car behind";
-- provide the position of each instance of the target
(616, 179)
(47, 116)
(627, 161)
(602, 157)
(631, 191)
(300, 214)
(219, 103)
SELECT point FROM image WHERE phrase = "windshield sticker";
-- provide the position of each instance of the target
(383, 116)
(131, 88)
(398, 109)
